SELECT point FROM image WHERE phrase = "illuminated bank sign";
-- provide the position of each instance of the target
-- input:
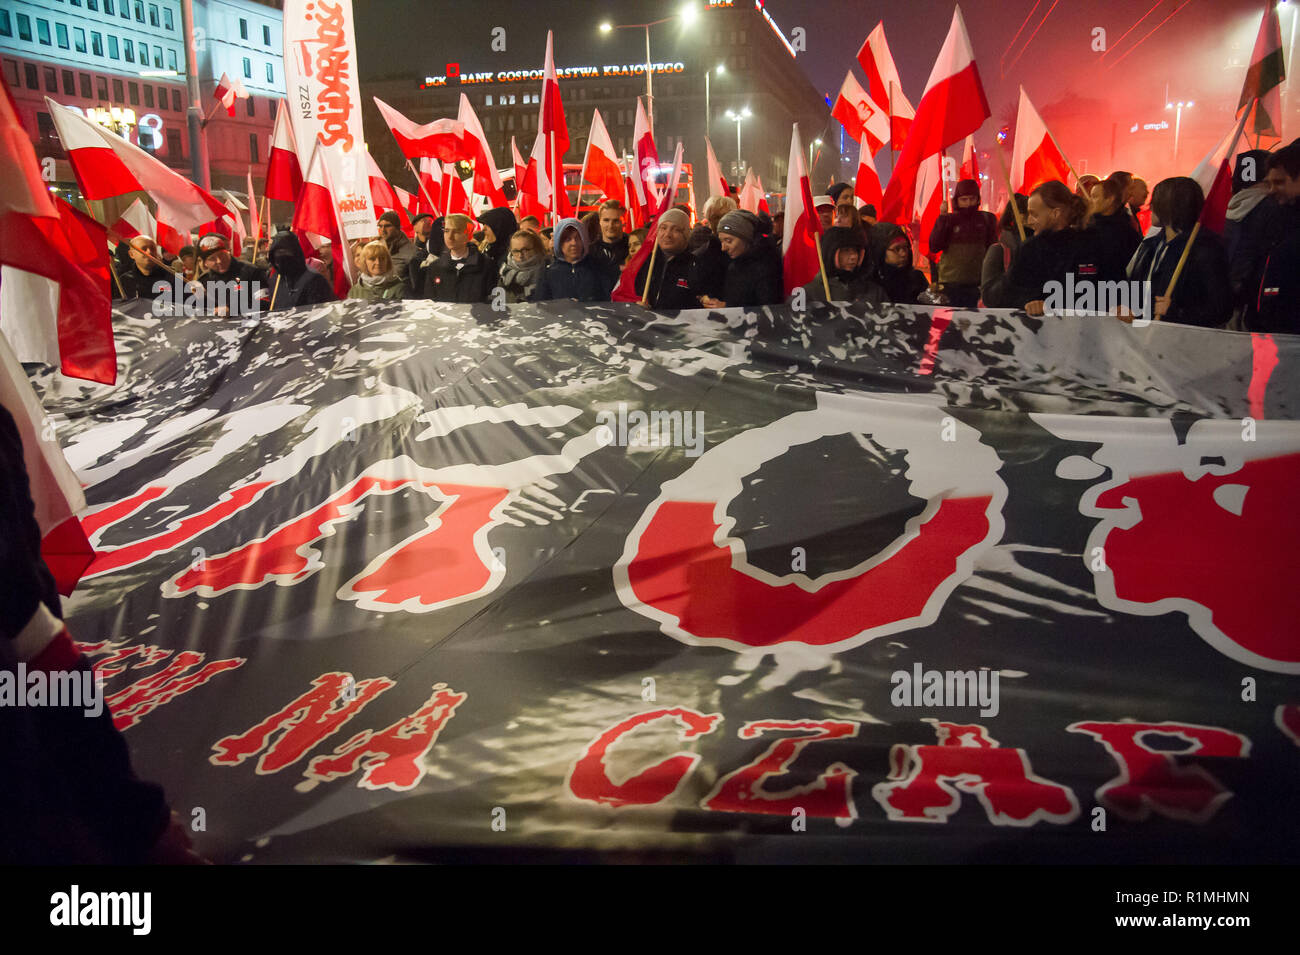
(467, 78)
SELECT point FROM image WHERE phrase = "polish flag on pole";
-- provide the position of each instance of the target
(970, 167)
(136, 220)
(646, 159)
(228, 91)
(952, 107)
(717, 181)
(443, 139)
(537, 184)
(626, 290)
(317, 212)
(283, 165)
(883, 83)
(254, 219)
(1260, 93)
(409, 200)
(554, 130)
(1035, 157)
(803, 226)
(867, 186)
(429, 194)
(929, 195)
(526, 200)
(236, 229)
(860, 115)
(454, 196)
(600, 164)
(1214, 173)
(383, 197)
(107, 166)
(487, 180)
(751, 197)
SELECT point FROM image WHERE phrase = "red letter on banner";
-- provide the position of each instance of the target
(927, 781)
(590, 780)
(1150, 778)
(145, 695)
(827, 796)
(394, 757)
(305, 722)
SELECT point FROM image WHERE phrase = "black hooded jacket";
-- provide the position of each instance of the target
(297, 284)
(1117, 240)
(137, 284)
(845, 286)
(503, 224)
(902, 284)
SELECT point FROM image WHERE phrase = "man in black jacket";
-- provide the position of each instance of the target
(138, 281)
(230, 285)
(462, 273)
(679, 279)
(1277, 302)
(400, 249)
(292, 283)
(575, 273)
(611, 250)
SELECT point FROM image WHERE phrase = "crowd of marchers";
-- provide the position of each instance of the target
(1101, 231)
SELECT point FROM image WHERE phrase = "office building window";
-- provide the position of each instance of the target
(101, 88)
(270, 73)
(168, 22)
(118, 93)
(171, 60)
(33, 81)
(126, 9)
(43, 31)
(133, 91)
(109, 7)
(69, 83)
(61, 35)
(51, 80)
(153, 15)
(148, 96)
(45, 126)
(6, 25)
(174, 144)
(112, 47)
(128, 50)
(144, 54)
(157, 57)
(162, 97)
(487, 100)
(24, 27)
(92, 5)
(97, 44)
(139, 11)
(248, 68)
(176, 100)
(11, 73)
(252, 148)
(266, 35)
(144, 136)
(85, 85)
(250, 108)
(243, 29)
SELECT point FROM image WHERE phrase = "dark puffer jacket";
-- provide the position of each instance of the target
(1202, 295)
(297, 284)
(845, 286)
(902, 284)
(585, 280)
(466, 280)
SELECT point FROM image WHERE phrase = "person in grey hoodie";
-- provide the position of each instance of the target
(574, 273)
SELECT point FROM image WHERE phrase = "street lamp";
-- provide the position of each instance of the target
(719, 69)
(687, 14)
(1178, 121)
(738, 118)
(811, 146)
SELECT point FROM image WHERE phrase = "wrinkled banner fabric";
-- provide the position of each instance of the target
(403, 581)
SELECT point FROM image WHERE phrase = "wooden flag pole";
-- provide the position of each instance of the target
(1182, 260)
(650, 272)
(826, 282)
(271, 307)
(117, 280)
(1011, 193)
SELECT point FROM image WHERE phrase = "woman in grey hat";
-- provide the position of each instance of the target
(753, 275)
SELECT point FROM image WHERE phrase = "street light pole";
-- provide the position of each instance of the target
(687, 15)
(194, 115)
(649, 96)
(1178, 122)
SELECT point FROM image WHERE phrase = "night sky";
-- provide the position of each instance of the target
(1199, 54)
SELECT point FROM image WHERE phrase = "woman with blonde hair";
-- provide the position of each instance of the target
(378, 281)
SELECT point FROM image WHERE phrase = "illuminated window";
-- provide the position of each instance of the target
(171, 60)
(270, 73)
(487, 100)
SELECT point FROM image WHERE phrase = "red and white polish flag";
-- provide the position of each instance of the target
(443, 139)
(751, 197)
(646, 158)
(383, 197)
(970, 167)
(867, 186)
(860, 115)
(555, 133)
(1214, 173)
(1035, 157)
(228, 91)
(952, 107)
(317, 212)
(883, 83)
(717, 181)
(455, 197)
(600, 164)
(284, 166)
(929, 196)
(135, 220)
(487, 180)
(803, 227)
(526, 200)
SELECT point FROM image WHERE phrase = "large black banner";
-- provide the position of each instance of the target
(410, 581)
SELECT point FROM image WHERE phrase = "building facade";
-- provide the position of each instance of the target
(123, 64)
(761, 74)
